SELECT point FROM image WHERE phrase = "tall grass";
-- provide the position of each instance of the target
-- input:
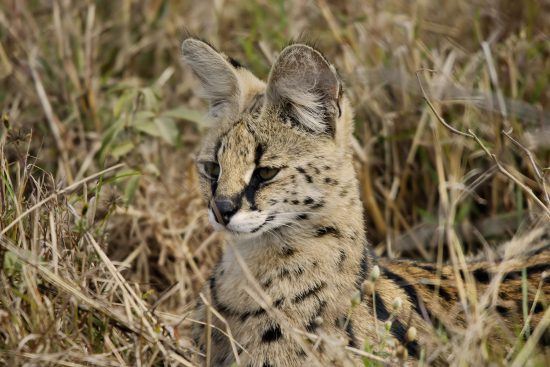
(104, 241)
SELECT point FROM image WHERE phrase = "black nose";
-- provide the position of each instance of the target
(226, 208)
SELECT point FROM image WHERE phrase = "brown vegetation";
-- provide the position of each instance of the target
(104, 241)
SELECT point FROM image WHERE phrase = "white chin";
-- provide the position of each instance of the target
(247, 224)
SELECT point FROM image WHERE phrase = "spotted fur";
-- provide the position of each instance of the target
(297, 254)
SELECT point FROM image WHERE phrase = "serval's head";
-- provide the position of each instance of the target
(278, 153)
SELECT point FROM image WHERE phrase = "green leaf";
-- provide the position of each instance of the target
(130, 189)
(152, 169)
(426, 215)
(122, 174)
(147, 126)
(186, 114)
(122, 149)
(161, 127)
(167, 129)
(123, 103)
(109, 137)
(142, 117)
(150, 99)
(12, 264)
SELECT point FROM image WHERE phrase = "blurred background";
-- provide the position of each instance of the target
(86, 85)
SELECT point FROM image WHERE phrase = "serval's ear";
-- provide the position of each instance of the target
(304, 89)
(218, 78)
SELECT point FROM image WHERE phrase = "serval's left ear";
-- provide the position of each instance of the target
(305, 90)
(218, 78)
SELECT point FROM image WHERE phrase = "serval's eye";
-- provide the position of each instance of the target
(211, 170)
(267, 173)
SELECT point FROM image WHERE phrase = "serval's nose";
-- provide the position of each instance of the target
(224, 209)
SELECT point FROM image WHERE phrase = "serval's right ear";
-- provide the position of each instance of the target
(218, 78)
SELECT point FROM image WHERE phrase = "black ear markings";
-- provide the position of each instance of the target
(187, 34)
(235, 63)
(232, 61)
(339, 100)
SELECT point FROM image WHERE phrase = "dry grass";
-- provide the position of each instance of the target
(101, 263)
